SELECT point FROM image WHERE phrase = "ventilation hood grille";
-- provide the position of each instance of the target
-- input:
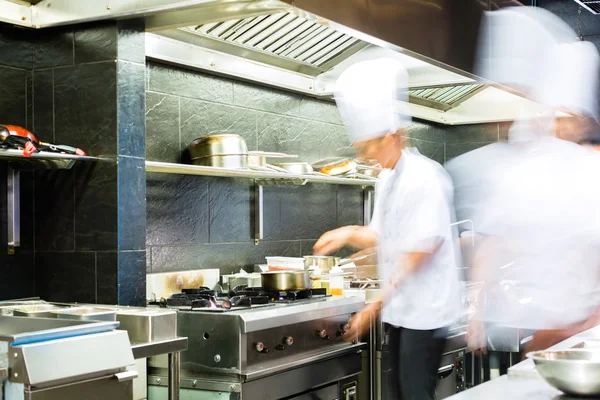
(285, 35)
(446, 97)
(592, 6)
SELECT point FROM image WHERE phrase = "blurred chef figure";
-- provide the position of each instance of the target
(410, 227)
(534, 199)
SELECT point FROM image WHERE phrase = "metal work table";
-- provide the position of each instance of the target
(523, 381)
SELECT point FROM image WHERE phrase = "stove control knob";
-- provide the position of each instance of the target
(288, 340)
(260, 347)
(323, 334)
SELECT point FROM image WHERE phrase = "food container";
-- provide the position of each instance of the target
(36, 311)
(224, 151)
(259, 158)
(574, 372)
(86, 314)
(229, 282)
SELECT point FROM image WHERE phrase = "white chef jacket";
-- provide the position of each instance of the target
(413, 208)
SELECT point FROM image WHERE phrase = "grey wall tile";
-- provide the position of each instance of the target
(428, 131)
(17, 273)
(187, 83)
(503, 129)
(107, 280)
(16, 46)
(265, 99)
(177, 209)
(96, 206)
(131, 40)
(350, 205)
(200, 118)
(472, 133)
(456, 149)
(132, 203)
(96, 42)
(43, 86)
(307, 211)
(131, 109)
(310, 140)
(148, 259)
(432, 150)
(162, 127)
(29, 100)
(53, 48)
(132, 278)
(230, 210)
(13, 99)
(317, 110)
(54, 210)
(193, 256)
(85, 107)
(66, 276)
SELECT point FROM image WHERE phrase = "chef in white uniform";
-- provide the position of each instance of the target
(410, 227)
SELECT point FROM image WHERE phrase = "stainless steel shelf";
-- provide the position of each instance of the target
(17, 155)
(172, 168)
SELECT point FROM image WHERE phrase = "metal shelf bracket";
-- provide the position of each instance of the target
(13, 206)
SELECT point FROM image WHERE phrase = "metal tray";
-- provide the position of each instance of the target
(19, 330)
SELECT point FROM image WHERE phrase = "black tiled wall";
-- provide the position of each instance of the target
(87, 91)
(200, 222)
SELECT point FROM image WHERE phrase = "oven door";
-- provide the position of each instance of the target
(330, 379)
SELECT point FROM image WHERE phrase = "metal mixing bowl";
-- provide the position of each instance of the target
(574, 371)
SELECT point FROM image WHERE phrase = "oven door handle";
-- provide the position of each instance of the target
(445, 371)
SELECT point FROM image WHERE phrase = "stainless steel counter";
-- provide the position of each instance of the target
(523, 381)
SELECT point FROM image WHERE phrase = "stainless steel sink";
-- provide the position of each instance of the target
(145, 325)
(86, 313)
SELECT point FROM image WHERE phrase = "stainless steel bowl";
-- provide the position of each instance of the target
(218, 145)
(574, 371)
(300, 168)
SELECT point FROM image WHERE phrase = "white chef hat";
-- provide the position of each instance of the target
(366, 94)
(517, 48)
(573, 85)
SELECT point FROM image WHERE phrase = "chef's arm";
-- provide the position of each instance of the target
(359, 237)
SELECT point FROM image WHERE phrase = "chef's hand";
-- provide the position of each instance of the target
(360, 322)
(476, 340)
(333, 240)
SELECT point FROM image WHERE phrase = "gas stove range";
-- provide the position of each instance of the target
(241, 297)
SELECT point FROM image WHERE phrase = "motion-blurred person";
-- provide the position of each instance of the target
(410, 227)
(534, 197)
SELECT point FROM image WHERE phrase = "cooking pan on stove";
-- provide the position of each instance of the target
(286, 280)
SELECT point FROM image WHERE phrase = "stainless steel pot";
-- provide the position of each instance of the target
(232, 161)
(286, 280)
(324, 263)
(225, 151)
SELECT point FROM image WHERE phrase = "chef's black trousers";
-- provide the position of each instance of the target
(414, 359)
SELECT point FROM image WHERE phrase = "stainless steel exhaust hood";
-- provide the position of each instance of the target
(303, 45)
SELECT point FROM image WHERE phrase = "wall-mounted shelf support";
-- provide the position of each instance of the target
(17, 162)
(13, 205)
(258, 213)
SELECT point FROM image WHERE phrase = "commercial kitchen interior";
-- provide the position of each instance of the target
(130, 92)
